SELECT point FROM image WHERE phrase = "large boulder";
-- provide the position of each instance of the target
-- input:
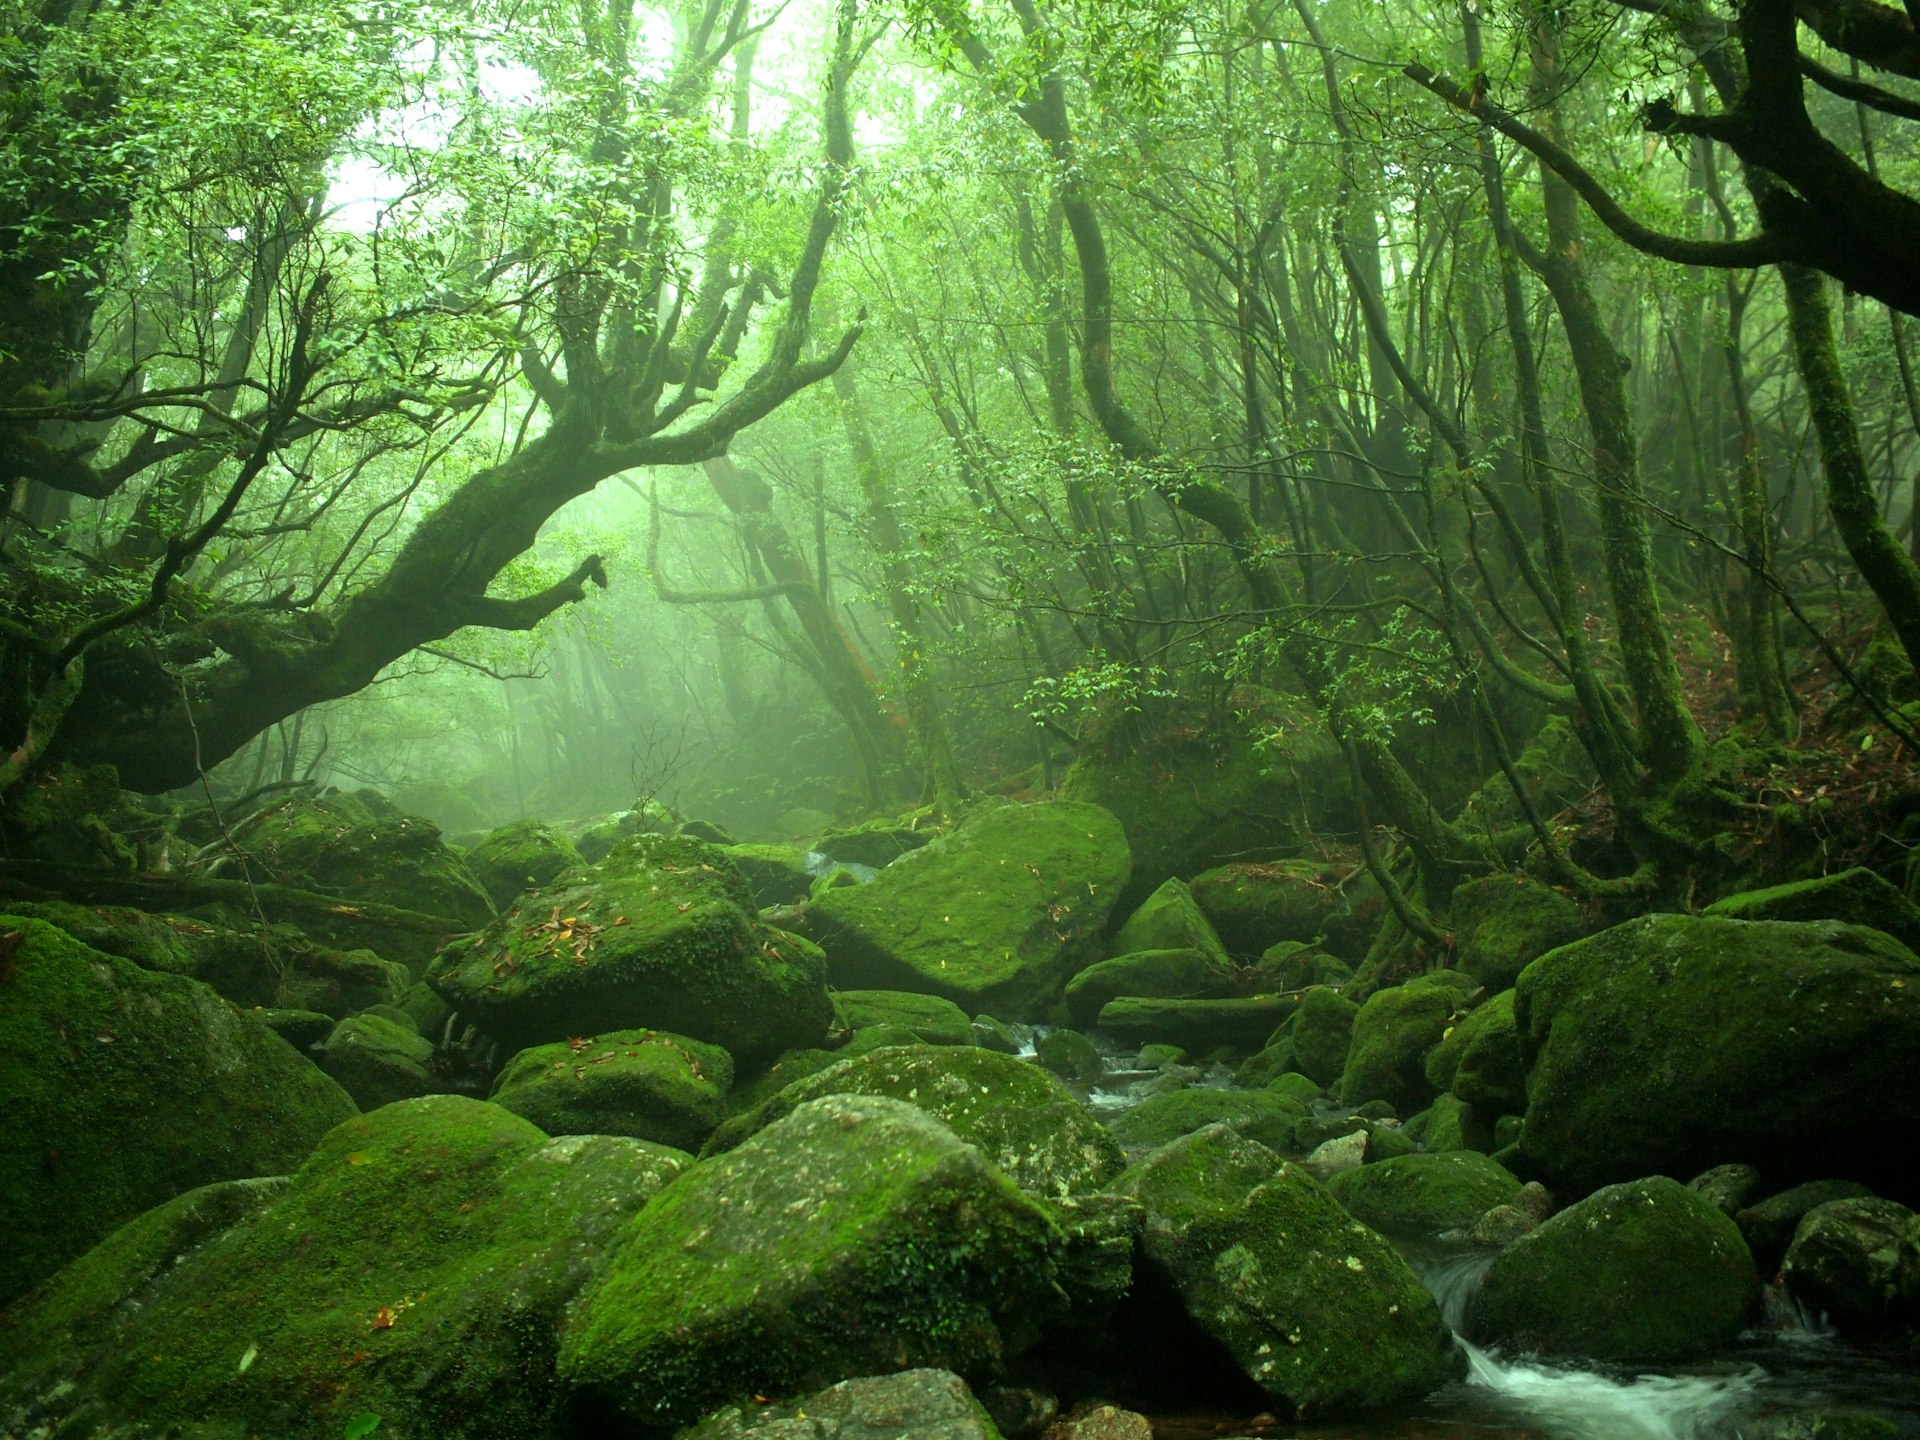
(1503, 923)
(777, 874)
(660, 935)
(1023, 1119)
(1424, 1194)
(1318, 1311)
(1256, 905)
(1676, 1042)
(1480, 1059)
(1392, 1036)
(857, 1235)
(1857, 1261)
(1856, 897)
(1260, 1115)
(1241, 1023)
(122, 1088)
(1323, 1033)
(1189, 799)
(995, 916)
(416, 1268)
(378, 1059)
(1644, 1271)
(1156, 974)
(1769, 1225)
(921, 1404)
(930, 1020)
(521, 856)
(646, 1084)
(1169, 919)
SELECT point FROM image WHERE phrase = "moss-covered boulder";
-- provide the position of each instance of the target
(936, 1404)
(521, 856)
(660, 935)
(1323, 1034)
(1677, 1042)
(1318, 1310)
(1294, 965)
(415, 1268)
(875, 843)
(1855, 897)
(1424, 1194)
(123, 1088)
(378, 1059)
(1768, 1225)
(858, 1234)
(1169, 919)
(1189, 800)
(1856, 1261)
(1480, 1059)
(1260, 1115)
(1392, 1035)
(1503, 923)
(929, 1018)
(1069, 1054)
(1254, 905)
(776, 874)
(1648, 1270)
(646, 1084)
(336, 843)
(1242, 1023)
(1024, 1120)
(1450, 1123)
(1155, 974)
(995, 916)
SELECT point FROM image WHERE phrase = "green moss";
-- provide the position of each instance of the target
(1260, 1115)
(1200, 1026)
(1647, 1270)
(646, 1084)
(995, 916)
(521, 856)
(873, 842)
(858, 1234)
(378, 1060)
(1027, 1122)
(1254, 906)
(1160, 974)
(1300, 1087)
(335, 842)
(1479, 1060)
(1676, 1042)
(930, 1019)
(1169, 919)
(1391, 1037)
(1502, 923)
(123, 1088)
(1450, 1123)
(1069, 1054)
(659, 935)
(777, 874)
(1323, 1034)
(1855, 897)
(415, 1268)
(1318, 1310)
(1424, 1194)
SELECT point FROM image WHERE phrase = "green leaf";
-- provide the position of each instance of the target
(362, 1426)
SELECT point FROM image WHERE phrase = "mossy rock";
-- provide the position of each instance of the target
(1069, 1054)
(1189, 801)
(1856, 1261)
(777, 874)
(1023, 1119)
(1294, 965)
(1260, 1115)
(1255, 905)
(1554, 769)
(521, 856)
(299, 1028)
(930, 1019)
(416, 1268)
(1450, 1123)
(1300, 1087)
(995, 916)
(1318, 1311)
(1768, 1226)
(660, 935)
(1480, 1060)
(1323, 1034)
(1392, 1036)
(1643, 1271)
(335, 843)
(1503, 923)
(1199, 1026)
(1677, 1042)
(645, 1084)
(378, 1060)
(936, 1403)
(1170, 919)
(877, 843)
(123, 1088)
(1424, 1194)
(1855, 897)
(859, 1234)
(1157, 974)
